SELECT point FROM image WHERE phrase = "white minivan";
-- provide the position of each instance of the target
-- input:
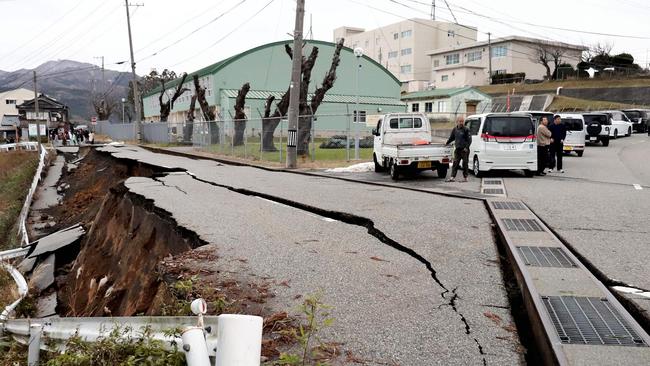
(502, 141)
(621, 125)
(575, 133)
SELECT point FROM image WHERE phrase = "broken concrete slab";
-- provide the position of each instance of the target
(27, 265)
(46, 305)
(68, 149)
(56, 241)
(47, 195)
(43, 275)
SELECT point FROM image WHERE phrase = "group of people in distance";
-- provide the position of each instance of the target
(550, 145)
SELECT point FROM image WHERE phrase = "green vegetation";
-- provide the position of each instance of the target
(17, 170)
(7, 288)
(317, 318)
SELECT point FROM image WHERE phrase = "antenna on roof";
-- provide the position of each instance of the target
(433, 10)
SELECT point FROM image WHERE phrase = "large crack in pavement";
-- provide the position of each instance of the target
(367, 223)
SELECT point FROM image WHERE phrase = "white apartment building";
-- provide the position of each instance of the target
(403, 47)
(10, 99)
(468, 64)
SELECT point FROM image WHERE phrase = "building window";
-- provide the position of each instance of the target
(499, 72)
(451, 33)
(406, 51)
(392, 54)
(442, 106)
(395, 35)
(405, 69)
(436, 63)
(499, 51)
(474, 56)
(415, 107)
(452, 59)
(406, 33)
(362, 116)
(10, 101)
(428, 107)
(444, 78)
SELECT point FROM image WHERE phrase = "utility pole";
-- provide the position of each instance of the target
(489, 58)
(38, 124)
(136, 93)
(433, 10)
(294, 90)
(103, 75)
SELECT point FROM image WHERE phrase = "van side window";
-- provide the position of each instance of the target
(393, 123)
(417, 123)
(379, 126)
(473, 126)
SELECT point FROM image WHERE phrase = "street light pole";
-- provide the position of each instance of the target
(123, 100)
(294, 90)
(357, 52)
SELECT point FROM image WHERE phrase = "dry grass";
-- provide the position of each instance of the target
(573, 84)
(561, 103)
(17, 170)
(8, 290)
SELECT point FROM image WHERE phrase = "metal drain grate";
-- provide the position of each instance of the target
(546, 257)
(508, 205)
(522, 225)
(493, 191)
(492, 182)
(590, 320)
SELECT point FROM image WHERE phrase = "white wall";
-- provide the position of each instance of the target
(16, 97)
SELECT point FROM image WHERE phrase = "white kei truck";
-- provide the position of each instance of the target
(403, 145)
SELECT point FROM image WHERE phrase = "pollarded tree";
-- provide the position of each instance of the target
(240, 115)
(208, 112)
(167, 106)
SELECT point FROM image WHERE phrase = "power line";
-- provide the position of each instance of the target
(193, 32)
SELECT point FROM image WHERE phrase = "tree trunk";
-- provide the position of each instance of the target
(240, 116)
(268, 125)
(271, 123)
(549, 76)
(208, 113)
(188, 133)
(166, 107)
(309, 110)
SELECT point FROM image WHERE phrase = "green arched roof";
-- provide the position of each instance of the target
(214, 68)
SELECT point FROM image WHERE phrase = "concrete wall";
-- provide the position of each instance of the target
(19, 95)
(630, 95)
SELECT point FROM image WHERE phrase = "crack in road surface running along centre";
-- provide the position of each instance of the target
(372, 230)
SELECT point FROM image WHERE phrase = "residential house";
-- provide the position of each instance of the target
(442, 105)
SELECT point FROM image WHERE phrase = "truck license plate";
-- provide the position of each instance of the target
(593, 138)
(424, 165)
(568, 148)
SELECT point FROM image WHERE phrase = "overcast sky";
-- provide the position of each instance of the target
(190, 34)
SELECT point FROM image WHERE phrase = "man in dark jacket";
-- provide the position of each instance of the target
(558, 134)
(463, 139)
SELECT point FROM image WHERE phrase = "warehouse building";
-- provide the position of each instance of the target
(268, 70)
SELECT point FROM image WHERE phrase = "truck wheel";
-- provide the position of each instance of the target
(476, 168)
(580, 153)
(615, 134)
(606, 141)
(394, 171)
(442, 171)
(378, 168)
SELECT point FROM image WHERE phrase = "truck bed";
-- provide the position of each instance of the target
(433, 151)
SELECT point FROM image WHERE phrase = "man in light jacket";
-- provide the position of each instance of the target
(543, 141)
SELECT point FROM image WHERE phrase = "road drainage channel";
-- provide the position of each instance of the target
(372, 230)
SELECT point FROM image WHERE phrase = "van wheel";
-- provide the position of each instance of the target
(606, 141)
(378, 168)
(394, 171)
(629, 131)
(615, 134)
(476, 168)
(580, 153)
(442, 171)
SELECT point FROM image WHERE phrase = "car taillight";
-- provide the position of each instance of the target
(487, 137)
(530, 138)
(404, 162)
(445, 160)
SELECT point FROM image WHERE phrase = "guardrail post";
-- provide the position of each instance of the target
(34, 349)
(239, 340)
(195, 347)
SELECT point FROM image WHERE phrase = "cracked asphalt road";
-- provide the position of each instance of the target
(390, 310)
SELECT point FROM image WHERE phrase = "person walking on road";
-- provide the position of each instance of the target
(558, 134)
(543, 142)
(463, 139)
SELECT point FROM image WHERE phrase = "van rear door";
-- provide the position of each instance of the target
(508, 135)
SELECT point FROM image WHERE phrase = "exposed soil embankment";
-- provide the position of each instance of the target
(115, 271)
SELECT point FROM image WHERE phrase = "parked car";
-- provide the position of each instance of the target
(621, 125)
(639, 118)
(575, 133)
(402, 144)
(502, 141)
(597, 127)
(537, 116)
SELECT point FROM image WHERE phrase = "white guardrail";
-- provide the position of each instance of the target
(22, 290)
(227, 339)
(24, 212)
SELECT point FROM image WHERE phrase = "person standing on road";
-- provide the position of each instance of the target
(543, 142)
(558, 134)
(463, 139)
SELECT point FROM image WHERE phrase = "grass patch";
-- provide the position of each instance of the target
(7, 288)
(17, 170)
(567, 104)
(572, 84)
